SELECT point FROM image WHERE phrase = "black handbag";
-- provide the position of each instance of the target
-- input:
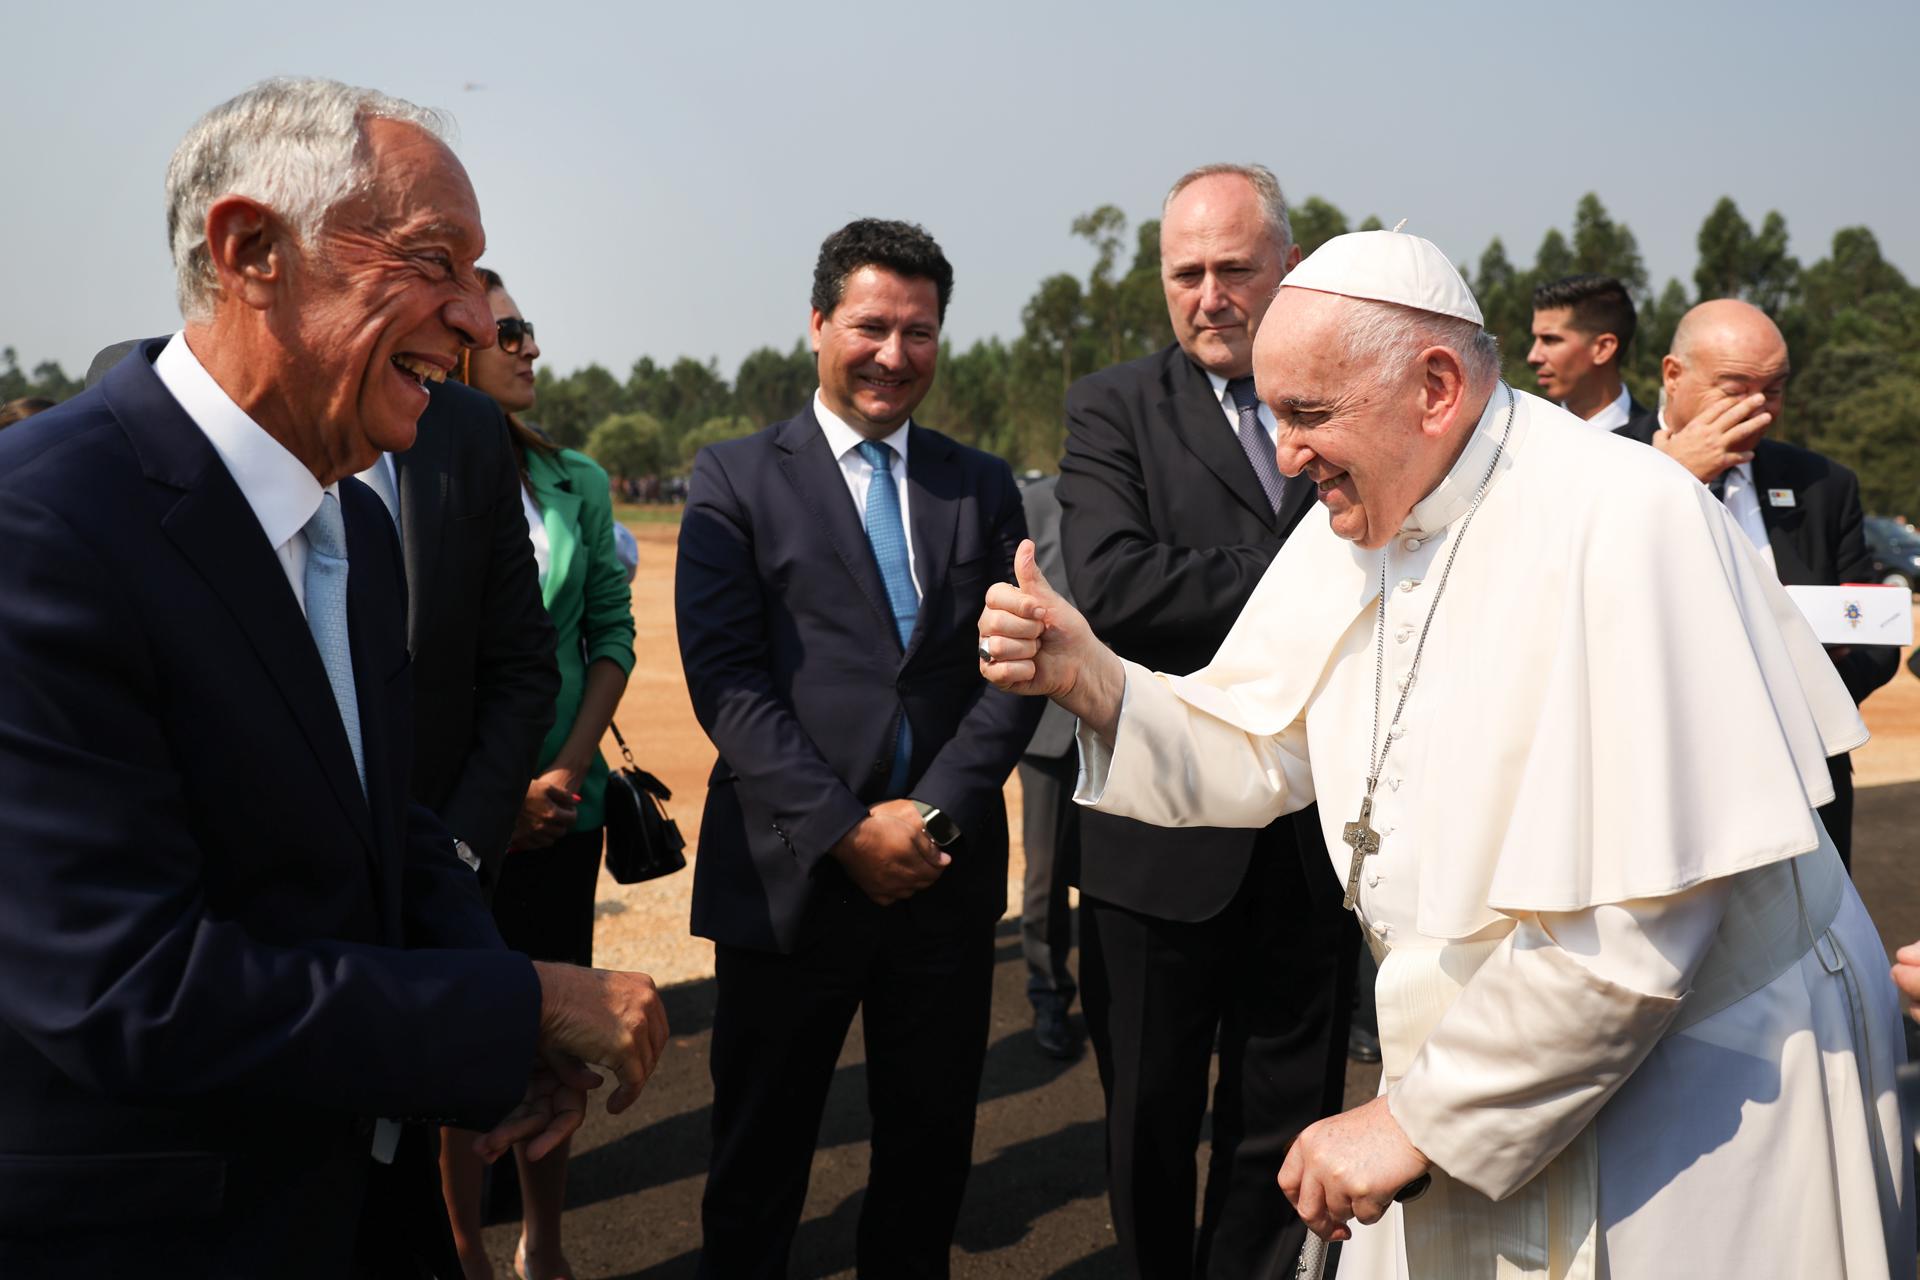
(643, 843)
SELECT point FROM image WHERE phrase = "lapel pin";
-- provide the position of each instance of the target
(1780, 498)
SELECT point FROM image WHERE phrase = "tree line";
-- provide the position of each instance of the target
(1851, 319)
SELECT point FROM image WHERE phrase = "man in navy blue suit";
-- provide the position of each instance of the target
(228, 943)
(853, 852)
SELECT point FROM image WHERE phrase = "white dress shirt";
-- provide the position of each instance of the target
(537, 534)
(1232, 410)
(844, 441)
(384, 480)
(1743, 504)
(1615, 415)
(277, 486)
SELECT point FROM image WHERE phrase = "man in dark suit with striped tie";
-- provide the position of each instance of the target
(1173, 505)
(853, 851)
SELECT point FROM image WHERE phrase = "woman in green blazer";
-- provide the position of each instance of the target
(543, 902)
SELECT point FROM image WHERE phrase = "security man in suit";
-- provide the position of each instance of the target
(1172, 507)
(853, 851)
(1723, 387)
(229, 945)
(1582, 326)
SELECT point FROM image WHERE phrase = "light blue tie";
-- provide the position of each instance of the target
(326, 584)
(889, 539)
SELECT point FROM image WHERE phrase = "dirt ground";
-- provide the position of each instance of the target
(644, 927)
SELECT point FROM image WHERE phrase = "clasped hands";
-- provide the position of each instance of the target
(588, 1017)
(889, 854)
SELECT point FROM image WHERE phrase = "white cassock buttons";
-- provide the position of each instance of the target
(1408, 584)
(1411, 544)
(1403, 635)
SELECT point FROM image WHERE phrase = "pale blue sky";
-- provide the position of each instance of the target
(656, 179)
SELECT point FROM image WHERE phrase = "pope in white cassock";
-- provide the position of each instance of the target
(1567, 735)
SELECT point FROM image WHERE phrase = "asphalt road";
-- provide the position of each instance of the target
(1036, 1205)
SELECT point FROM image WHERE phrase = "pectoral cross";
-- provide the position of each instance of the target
(1360, 836)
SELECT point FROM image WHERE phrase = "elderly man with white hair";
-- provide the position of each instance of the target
(232, 953)
(1567, 735)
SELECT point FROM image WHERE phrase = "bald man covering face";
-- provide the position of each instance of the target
(1723, 390)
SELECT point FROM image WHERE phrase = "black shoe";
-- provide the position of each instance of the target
(1054, 1034)
(1363, 1045)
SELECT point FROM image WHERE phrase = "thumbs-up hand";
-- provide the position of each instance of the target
(1033, 642)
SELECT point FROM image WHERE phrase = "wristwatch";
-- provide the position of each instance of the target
(941, 829)
(465, 853)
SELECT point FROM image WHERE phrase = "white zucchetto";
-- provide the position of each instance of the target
(1387, 266)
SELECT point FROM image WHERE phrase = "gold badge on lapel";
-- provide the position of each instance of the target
(1780, 497)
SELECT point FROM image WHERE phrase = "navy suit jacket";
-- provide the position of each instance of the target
(799, 677)
(219, 959)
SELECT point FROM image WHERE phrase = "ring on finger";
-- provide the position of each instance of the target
(986, 654)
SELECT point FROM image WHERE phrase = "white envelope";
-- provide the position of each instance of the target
(1857, 614)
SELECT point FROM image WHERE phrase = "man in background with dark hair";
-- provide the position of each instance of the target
(1582, 327)
(853, 851)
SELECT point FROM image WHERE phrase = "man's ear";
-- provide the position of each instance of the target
(1605, 347)
(815, 320)
(1670, 370)
(1443, 387)
(251, 249)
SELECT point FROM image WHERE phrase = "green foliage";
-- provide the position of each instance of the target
(713, 431)
(629, 444)
(47, 379)
(1315, 221)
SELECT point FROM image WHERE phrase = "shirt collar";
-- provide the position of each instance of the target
(277, 486)
(1615, 413)
(843, 439)
(1454, 494)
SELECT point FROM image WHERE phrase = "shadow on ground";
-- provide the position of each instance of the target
(1036, 1203)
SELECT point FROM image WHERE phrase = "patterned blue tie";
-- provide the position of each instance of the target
(889, 539)
(1255, 441)
(326, 584)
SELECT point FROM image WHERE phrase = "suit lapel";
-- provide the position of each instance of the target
(1786, 526)
(216, 531)
(814, 473)
(425, 477)
(933, 508)
(1193, 412)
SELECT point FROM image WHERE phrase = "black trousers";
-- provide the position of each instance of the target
(779, 1024)
(1272, 977)
(1050, 831)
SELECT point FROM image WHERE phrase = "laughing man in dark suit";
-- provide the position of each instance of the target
(853, 852)
(1723, 388)
(1172, 507)
(228, 944)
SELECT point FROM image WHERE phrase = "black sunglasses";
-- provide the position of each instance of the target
(513, 332)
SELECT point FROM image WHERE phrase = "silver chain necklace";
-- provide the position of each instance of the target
(1359, 834)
